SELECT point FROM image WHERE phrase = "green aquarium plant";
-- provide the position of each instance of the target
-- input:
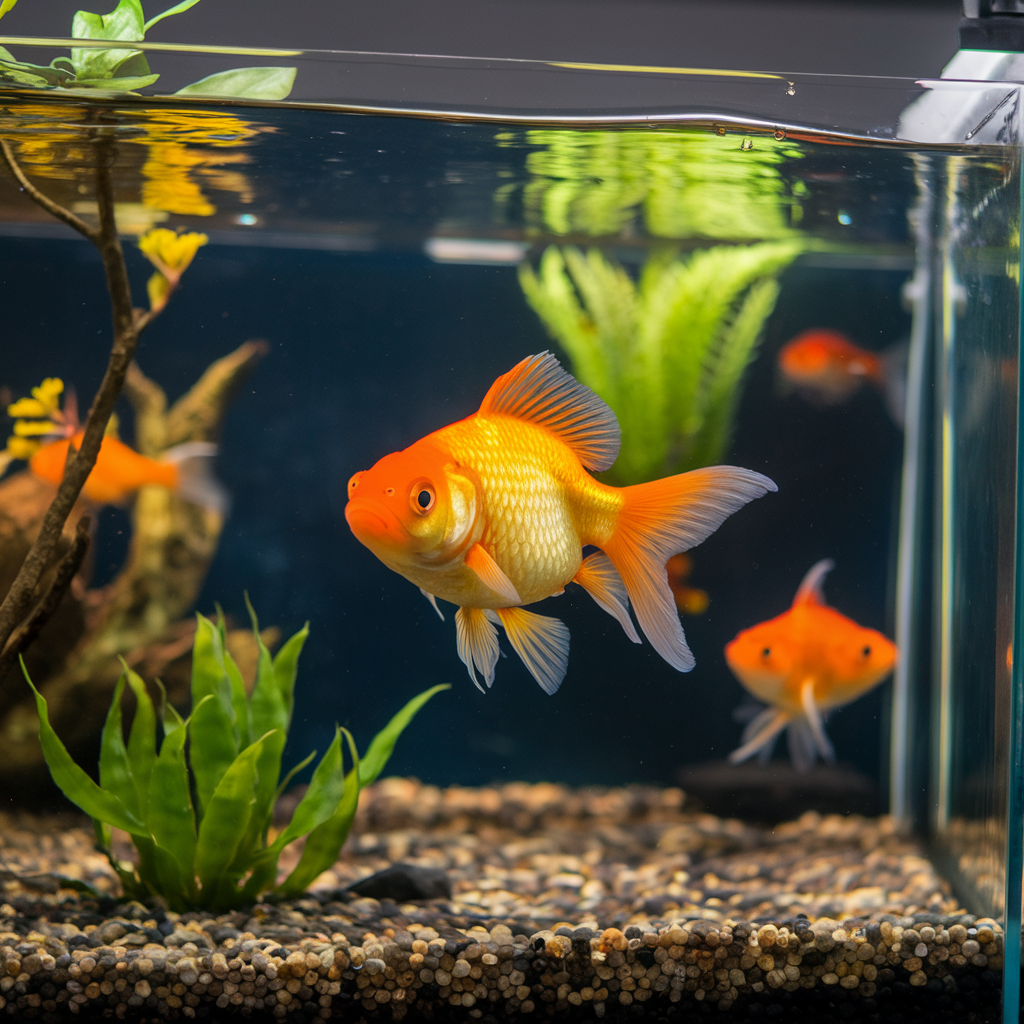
(125, 68)
(666, 351)
(201, 820)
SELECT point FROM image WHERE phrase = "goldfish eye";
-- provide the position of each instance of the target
(766, 652)
(354, 483)
(389, 491)
(422, 498)
(866, 650)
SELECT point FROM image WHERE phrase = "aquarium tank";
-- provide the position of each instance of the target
(630, 452)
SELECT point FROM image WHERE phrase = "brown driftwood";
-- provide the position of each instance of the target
(139, 615)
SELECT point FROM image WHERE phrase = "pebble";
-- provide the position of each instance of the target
(614, 901)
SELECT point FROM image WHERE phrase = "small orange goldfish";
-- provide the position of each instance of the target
(828, 368)
(493, 512)
(120, 471)
(688, 599)
(802, 664)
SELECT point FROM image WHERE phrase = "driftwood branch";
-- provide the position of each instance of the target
(126, 326)
(67, 569)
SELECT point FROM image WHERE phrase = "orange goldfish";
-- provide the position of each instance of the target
(120, 471)
(802, 664)
(688, 599)
(828, 368)
(493, 512)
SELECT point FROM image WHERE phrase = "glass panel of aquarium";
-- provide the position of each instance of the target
(718, 369)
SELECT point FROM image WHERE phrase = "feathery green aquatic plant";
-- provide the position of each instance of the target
(216, 852)
(125, 69)
(667, 352)
(670, 183)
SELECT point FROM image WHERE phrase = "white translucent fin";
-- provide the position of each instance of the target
(541, 641)
(601, 580)
(761, 731)
(196, 482)
(660, 519)
(815, 723)
(477, 643)
(802, 751)
(894, 381)
(809, 591)
(433, 603)
(490, 573)
(539, 391)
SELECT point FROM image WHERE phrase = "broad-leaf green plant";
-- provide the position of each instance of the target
(201, 820)
(125, 68)
(666, 351)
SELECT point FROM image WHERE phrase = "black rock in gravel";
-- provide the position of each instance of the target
(405, 882)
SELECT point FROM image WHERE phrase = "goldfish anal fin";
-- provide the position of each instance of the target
(810, 591)
(433, 603)
(541, 641)
(599, 578)
(814, 721)
(490, 573)
(660, 519)
(539, 391)
(761, 732)
(477, 643)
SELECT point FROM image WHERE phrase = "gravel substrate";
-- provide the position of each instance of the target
(565, 903)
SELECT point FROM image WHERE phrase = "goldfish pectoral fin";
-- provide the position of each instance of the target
(815, 723)
(477, 643)
(662, 518)
(769, 724)
(433, 603)
(600, 579)
(809, 591)
(490, 573)
(539, 391)
(541, 641)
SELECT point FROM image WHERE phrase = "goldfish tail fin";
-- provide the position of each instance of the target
(809, 591)
(760, 734)
(661, 519)
(893, 381)
(477, 643)
(196, 482)
(599, 578)
(815, 723)
(541, 641)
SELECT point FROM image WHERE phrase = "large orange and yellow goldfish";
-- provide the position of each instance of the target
(492, 513)
(804, 663)
(828, 368)
(43, 433)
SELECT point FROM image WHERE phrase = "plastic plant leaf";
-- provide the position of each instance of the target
(115, 771)
(239, 700)
(245, 84)
(321, 799)
(324, 843)
(6, 5)
(291, 775)
(208, 672)
(169, 717)
(141, 739)
(171, 818)
(228, 812)
(286, 666)
(383, 744)
(73, 782)
(176, 9)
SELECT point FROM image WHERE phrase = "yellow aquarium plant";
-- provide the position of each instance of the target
(666, 347)
(126, 68)
(201, 820)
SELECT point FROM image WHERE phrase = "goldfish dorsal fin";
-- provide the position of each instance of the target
(810, 588)
(539, 391)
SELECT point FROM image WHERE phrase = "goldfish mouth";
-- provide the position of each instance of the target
(365, 522)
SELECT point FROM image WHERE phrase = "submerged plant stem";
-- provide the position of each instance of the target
(128, 323)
